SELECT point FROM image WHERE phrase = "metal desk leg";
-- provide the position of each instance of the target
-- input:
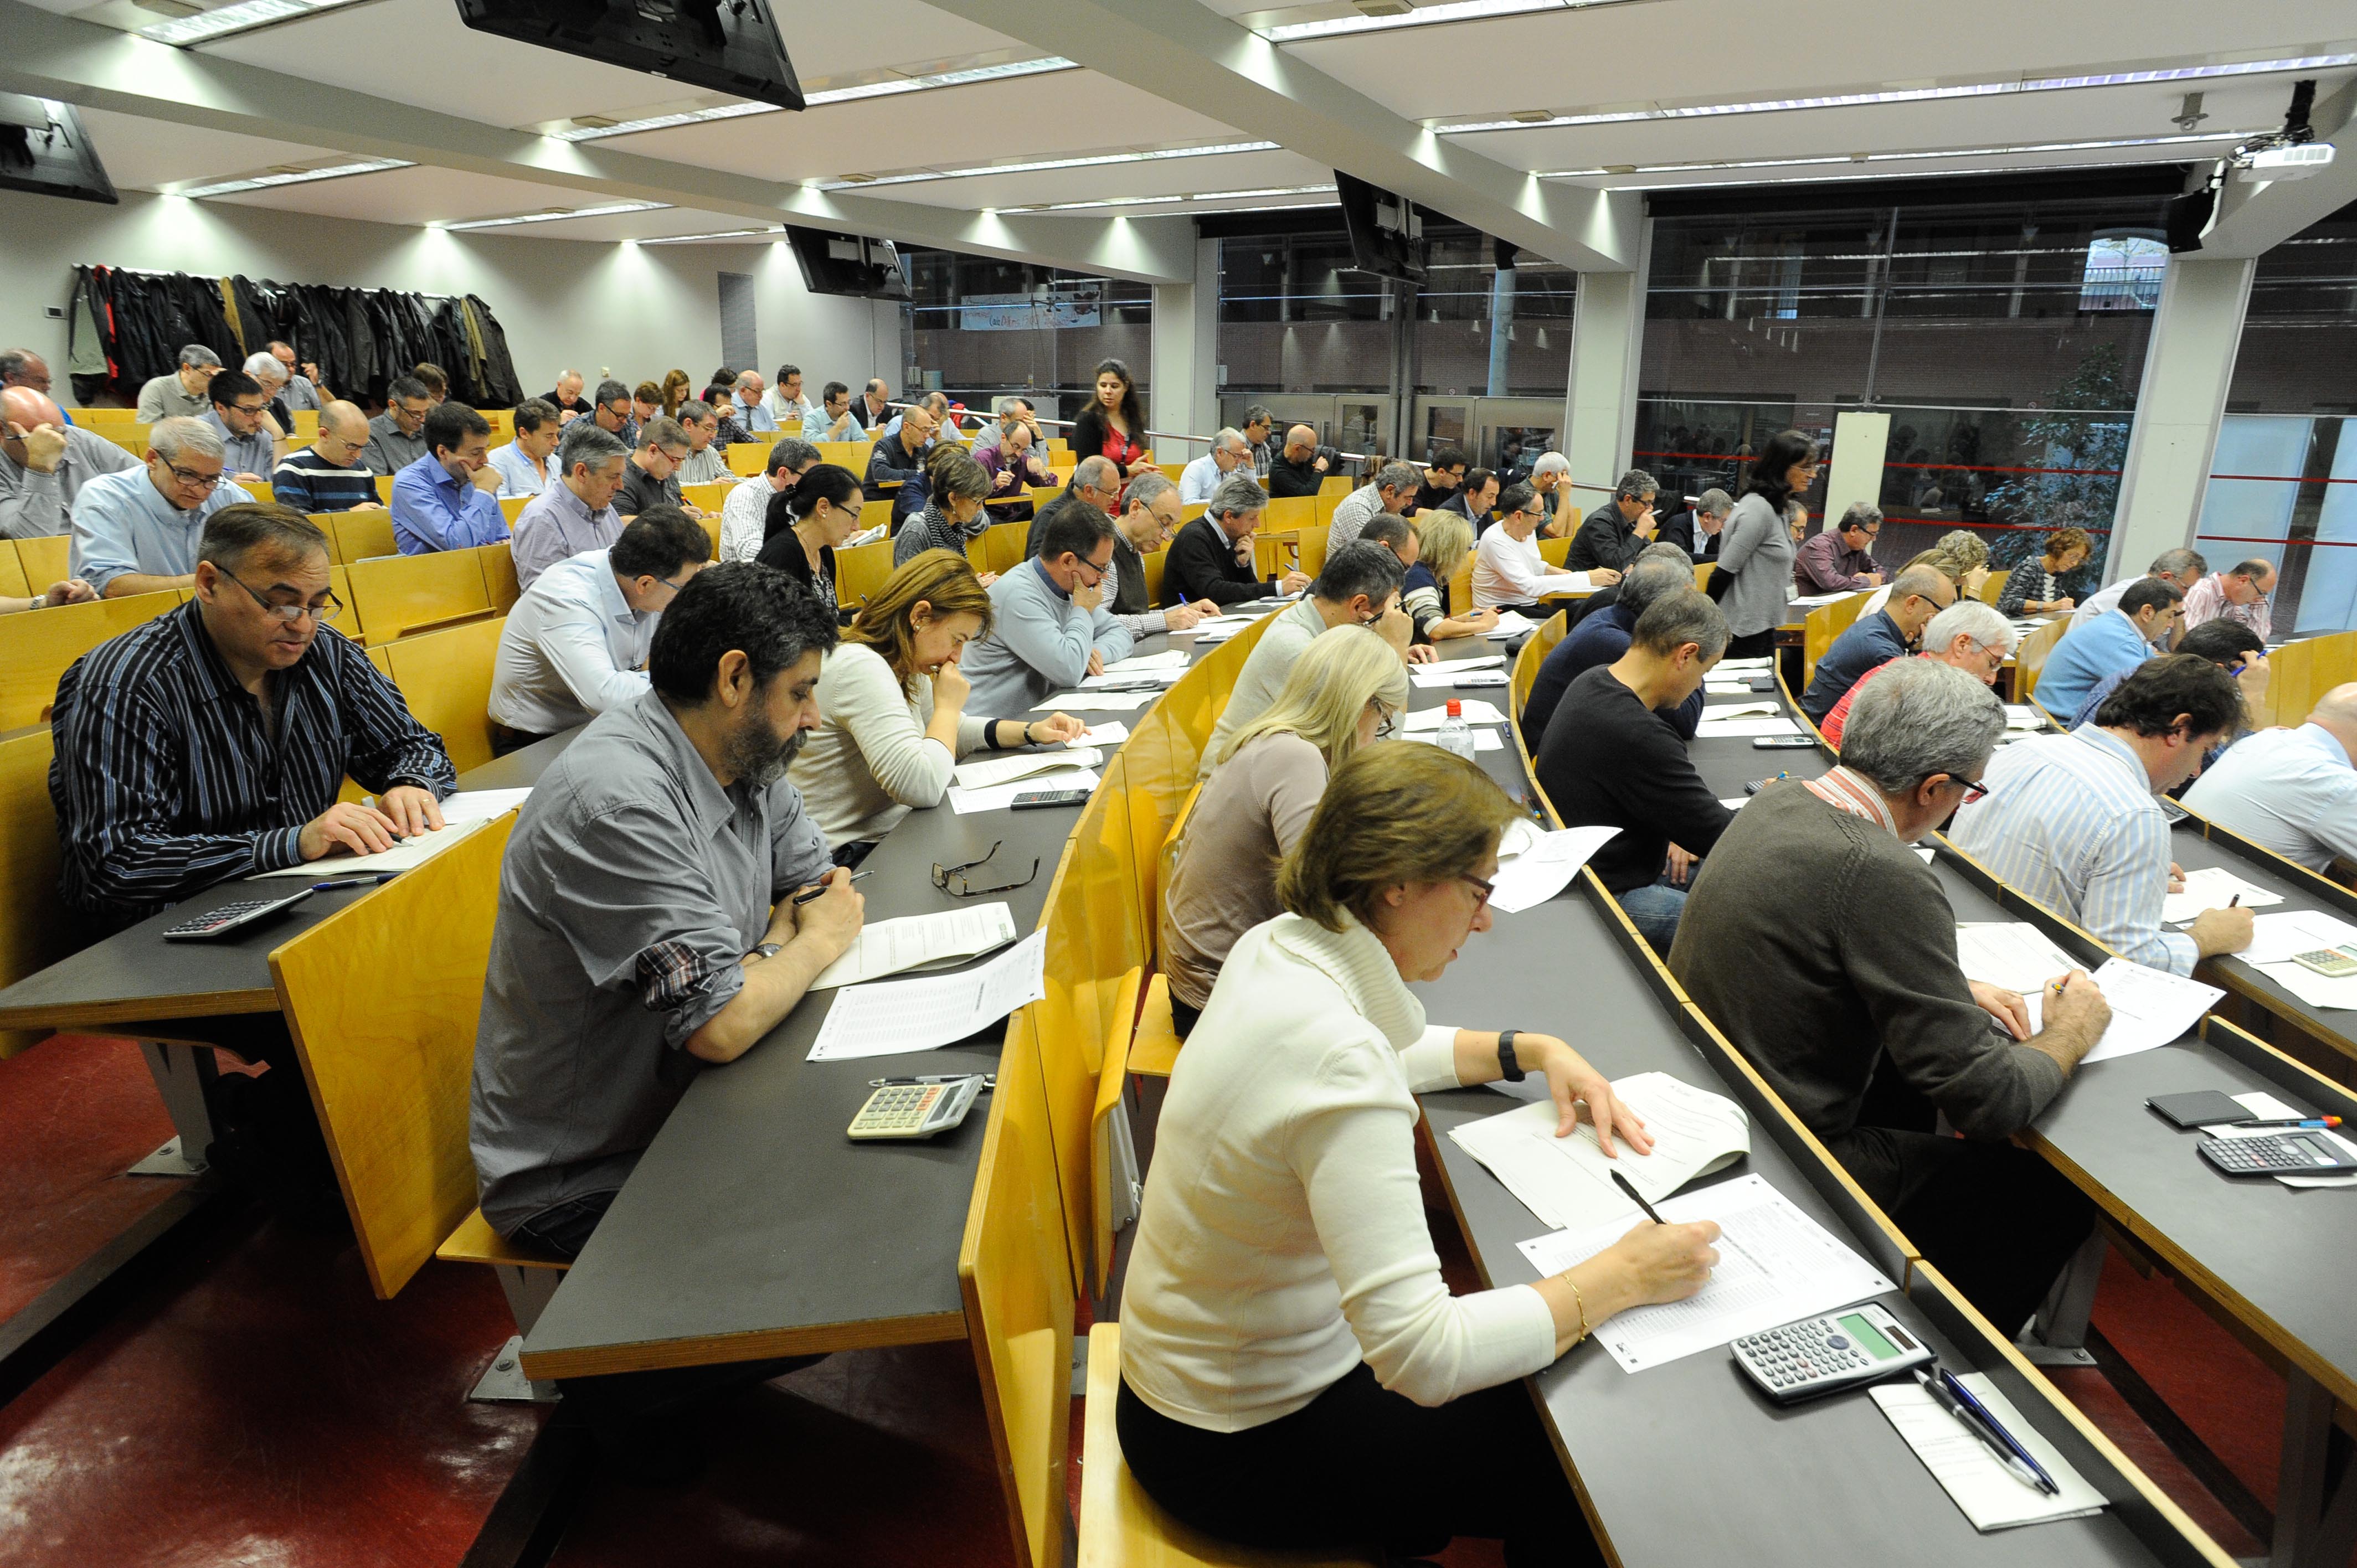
(529, 1291)
(180, 1076)
(2058, 1335)
(2316, 1498)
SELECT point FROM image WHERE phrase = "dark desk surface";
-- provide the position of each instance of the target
(2335, 1027)
(136, 977)
(1728, 763)
(1685, 1462)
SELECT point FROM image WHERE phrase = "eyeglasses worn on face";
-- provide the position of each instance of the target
(193, 480)
(1973, 790)
(289, 614)
(953, 880)
(1484, 889)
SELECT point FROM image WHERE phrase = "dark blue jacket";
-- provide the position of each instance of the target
(1601, 639)
(1865, 644)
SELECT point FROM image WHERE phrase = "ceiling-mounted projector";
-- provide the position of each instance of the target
(2296, 161)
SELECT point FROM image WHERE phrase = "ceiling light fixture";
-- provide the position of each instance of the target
(2110, 146)
(285, 176)
(559, 213)
(244, 17)
(1913, 95)
(1096, 161)
(582, 130)
(1171, 200)
(775, 229)
(1422, 17)
(1831, 178)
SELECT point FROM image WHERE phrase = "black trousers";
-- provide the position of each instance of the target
(1360, 1465)
(1758, 645)
(1997, 1220)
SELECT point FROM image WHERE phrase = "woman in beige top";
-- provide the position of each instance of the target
(1258, 800)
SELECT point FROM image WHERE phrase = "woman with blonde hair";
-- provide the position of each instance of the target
(891, 701)
(1295, 1371)
(2037, 587)
(674, 393)
(1263, 786)
(1442, 540)
(1958, 556)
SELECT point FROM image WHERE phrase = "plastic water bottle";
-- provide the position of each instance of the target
(1456, 735)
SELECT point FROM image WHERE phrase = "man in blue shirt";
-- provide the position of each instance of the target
(1051, 630)
(2293, 791)
(751, 412)
(447, 499)
(136, 532)
(1920, 593)
(2110, 644)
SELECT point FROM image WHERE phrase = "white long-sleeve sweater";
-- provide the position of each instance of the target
(869, 762)
(1283, 1238)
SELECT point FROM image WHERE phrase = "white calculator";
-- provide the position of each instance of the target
(1825, 1355)
(916, 1109)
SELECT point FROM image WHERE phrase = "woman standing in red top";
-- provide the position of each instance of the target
(1113, 424)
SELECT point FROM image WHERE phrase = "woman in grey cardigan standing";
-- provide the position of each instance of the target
(1756, 548)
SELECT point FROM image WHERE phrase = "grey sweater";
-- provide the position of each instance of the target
(1825, 951)
(1757, 547)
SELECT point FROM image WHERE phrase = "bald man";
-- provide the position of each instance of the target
(1300, 468)
(333, 473)
(2293, 791)
(44, 462)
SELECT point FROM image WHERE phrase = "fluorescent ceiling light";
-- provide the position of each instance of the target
(559, 217)
(774, 229)
(1829, 178)
(242, 17)
(1170, 201)
(297, 177)
(1422, 17)
(889, 87)
(2028, 147)
(1912, 94)
(1033, 168)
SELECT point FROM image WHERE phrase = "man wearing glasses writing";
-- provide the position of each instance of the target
(212, 742)
(136, 532)
(1052, 629)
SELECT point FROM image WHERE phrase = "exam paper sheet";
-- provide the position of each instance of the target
(2011, 953)
(407, 855)
(2150, 1008)
(920, 941)
(1991, 1496)
(894, 1017)
(2213, 888)
(985, 772)
(1567, 1182)
(1472, 710)
(1543, 866)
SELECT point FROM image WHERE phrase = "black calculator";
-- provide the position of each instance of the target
(232, 919)
(2287, 1153)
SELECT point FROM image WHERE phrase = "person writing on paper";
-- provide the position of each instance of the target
(646, 915)
(894, 703)
(1293, 1369)
(1822, 947)
(808, 523)
(1968, 634)
(1150, 515)
(576, 644)
(1050, 629)
(1874, 641)
(1600, 638)
(1359, 585)
(1345, 689)
(2072, 820)
(1211, 558)
(1419, 589)
(1608, 758)
(2043, 586)
(2290, 791)
(212, 742)
(1509, 573)
(2146, 621)
(2230, 645)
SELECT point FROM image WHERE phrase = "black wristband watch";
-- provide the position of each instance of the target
(1507, 1066)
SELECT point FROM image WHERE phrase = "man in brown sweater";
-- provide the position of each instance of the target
(1822, 946)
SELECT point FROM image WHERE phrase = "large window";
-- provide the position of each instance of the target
(2003, 338)
(982, 328)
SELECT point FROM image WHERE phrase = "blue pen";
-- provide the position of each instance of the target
(379, 880)
(1965, 1397)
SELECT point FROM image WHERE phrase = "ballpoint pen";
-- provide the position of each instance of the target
(807, 893)
(379, 880)
(1959, 1402)
(2290, 1122)
(989, 1080)
(1636, 1197)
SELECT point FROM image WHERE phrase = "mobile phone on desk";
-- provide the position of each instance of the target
(1041, 800)
(1783, 743)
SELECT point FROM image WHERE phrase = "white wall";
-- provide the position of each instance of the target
(636, 310)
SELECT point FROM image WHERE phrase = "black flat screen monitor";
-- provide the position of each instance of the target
(44, 150)
(1386, 230)
(727, 46)
(848, 264)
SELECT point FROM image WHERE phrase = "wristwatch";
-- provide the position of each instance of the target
(769, 950)
(1507, 1066)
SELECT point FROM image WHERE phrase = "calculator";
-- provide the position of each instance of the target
(231, 918)
(1825, 1355)
(916, 1109)
(2333, 963)
(2288, 1154)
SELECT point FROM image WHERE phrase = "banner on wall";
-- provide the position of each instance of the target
(1058, 305)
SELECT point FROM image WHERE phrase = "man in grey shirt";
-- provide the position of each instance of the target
(636, 937)
(43, 463)
(395, 436)
(180, 391)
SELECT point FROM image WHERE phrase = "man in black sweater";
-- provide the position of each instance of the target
(1300, 468)
(1613, 533)
(1211, 558)
(1825, 950)
(1608, 759)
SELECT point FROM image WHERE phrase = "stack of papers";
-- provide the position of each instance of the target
(1168, 659)
(1001, 797)
(2275, 937)
(1537, 869)
(1472, 710)
(1992, 1496)
(406, 856)
(1511, 623)
(1113, 732)
(1712, 728)
(920, 941)
(2213, 888)
(995, 770)
(1775, 1264)
(2022, 717)
(1098, 701)
(1567, 1182)
(898, 1017)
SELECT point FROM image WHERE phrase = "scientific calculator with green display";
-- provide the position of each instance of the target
(1825, 1355)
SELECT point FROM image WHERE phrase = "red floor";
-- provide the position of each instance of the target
(253, 1403)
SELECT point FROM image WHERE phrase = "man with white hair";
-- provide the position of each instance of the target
(1696, 529)
(1391, 491)
(566, 399)
(1230, 453)
(1550, 478)
(303, 389)
(180, 392)
(136, 532)
(751, 411)
(1968, 634)
(1823, 950)
(271, 377)
(45, 462)
(2291, 791)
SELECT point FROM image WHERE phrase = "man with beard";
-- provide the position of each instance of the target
(647, 922)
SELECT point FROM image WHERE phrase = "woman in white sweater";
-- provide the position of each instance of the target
(891, 701)
(1294, 1372)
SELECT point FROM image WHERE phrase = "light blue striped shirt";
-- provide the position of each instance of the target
(2290, 789)
(123, 524)
(2070, 821)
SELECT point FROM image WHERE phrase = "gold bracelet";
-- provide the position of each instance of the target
(1579, 1301)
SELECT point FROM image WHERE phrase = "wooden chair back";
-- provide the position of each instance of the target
(1821, 625)
(32, 936)
(500, 583)
(401, 595)
(1002, 545)
(260, 492)
(2299, 673)
(1460, 586)
(1703, 569)
(1313, 552)
(1274, 551)
(1018, 1289)
(384, 489)
(347, 620)
(1154, 565)
(2031, 654)
(1992, 587)
(851, 455)
(46, 559)
(1555, 551)
(362, 535)
(1285, 513)
(446, 678)
(860, 570)
(1110, 1207)
(873, 514)
(387, 1061)
(12, 581)
(35, 649)
(512, 508)
(709, 497)
(745, 457)
(1535, 648)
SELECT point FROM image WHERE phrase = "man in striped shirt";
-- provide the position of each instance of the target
(2072, 820)
(212, 742)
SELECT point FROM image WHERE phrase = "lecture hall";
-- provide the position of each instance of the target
(964, 781)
